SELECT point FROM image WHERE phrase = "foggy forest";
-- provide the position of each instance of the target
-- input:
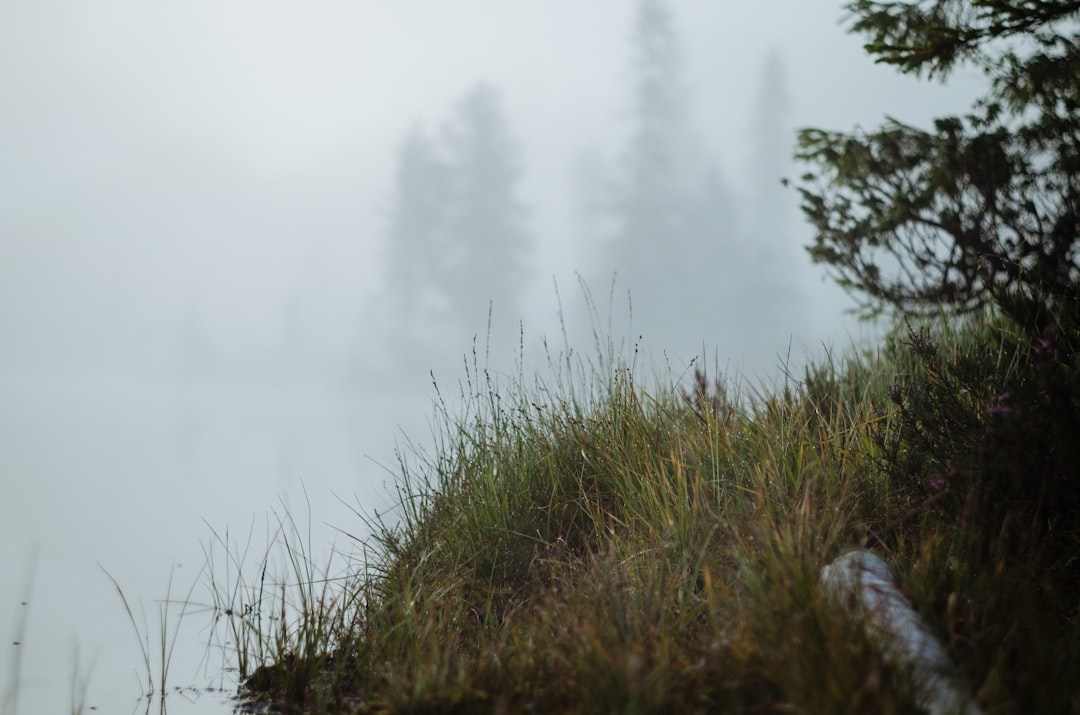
(660, 241)
(247, 250)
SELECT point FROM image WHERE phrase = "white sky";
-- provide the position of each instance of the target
(237, 156)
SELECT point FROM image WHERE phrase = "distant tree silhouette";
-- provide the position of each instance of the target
(490, 245)
(672, 219)
(772, 255)
(771, 140)
(417, 243)
(457, 237)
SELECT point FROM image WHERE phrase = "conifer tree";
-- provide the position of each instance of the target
(979, 209)
(672, 221)
(457, 238)
(770, 164)
(770, 254)
(417, 243)
(490, 245)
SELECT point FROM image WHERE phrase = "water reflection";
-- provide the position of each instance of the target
(126, 476)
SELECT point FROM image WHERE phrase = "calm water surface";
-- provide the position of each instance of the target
(128, 477)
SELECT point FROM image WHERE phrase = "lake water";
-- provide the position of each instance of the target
(116, 477)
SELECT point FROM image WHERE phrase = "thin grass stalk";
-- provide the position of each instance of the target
(141, 636)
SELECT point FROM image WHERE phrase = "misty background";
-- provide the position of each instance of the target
(237, 239)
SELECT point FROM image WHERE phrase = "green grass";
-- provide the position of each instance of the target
(578, 543)
(156, 648)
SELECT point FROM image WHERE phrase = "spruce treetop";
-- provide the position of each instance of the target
(981, 209)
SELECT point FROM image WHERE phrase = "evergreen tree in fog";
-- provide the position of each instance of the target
(773, 257)
(771, 141)
(490, 245)
(458, 242)
(417, 244)
(673, 236)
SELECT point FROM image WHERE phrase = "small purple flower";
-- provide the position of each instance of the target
(937, 485)
(1044, 346)
(1001, 405)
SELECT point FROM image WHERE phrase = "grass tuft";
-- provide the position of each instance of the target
(579, 543)
(162, 646)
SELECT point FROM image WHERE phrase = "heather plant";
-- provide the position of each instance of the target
(981, 443)
(993, 421)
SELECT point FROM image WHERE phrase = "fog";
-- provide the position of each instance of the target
(222, 286)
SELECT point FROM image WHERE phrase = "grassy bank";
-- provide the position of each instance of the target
(581, 544)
